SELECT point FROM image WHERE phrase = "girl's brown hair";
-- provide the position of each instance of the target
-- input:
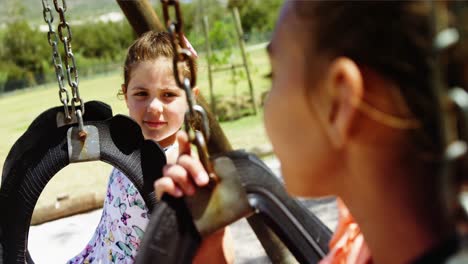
(148, 47)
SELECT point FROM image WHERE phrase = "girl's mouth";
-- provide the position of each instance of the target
(155, 124)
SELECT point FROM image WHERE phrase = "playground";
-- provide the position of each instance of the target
(159, 150)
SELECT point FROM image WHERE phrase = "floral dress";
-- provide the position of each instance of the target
(120, 230)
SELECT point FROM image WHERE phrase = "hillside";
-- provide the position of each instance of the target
(77, 9)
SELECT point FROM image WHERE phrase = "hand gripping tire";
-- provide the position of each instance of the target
(171, 236)
(42, 151)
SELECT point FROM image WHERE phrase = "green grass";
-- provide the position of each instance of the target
(246, 132)
(19, 109)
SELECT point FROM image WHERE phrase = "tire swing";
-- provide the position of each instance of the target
(64, 135)
(241, 185)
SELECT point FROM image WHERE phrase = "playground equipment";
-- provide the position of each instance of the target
(80, 132)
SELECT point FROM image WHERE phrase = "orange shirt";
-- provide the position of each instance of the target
(347, 245)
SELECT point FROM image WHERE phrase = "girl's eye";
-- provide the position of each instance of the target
(169, 94)
(140, 94)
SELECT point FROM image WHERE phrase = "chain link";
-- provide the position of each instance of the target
(183, 55)
(64, 95)
(70, 63)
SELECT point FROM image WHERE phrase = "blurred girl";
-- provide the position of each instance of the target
(352, 113)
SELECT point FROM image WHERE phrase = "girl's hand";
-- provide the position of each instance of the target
(181, 178)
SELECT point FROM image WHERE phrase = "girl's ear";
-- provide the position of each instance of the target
(344, 84)
(124, 91)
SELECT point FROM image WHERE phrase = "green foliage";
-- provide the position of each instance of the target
(102, 40)
(12, 11)
(25, 56)
(76, 9)
(232, 108)
(222, 34)
(12, 76)
(257, 16)
(28, 46)
(193, 13)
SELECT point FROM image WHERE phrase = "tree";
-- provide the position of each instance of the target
(258, 15)
(26, 51)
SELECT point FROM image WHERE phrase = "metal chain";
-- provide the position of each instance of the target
(183, 55)
(64, 95)
(70, 63)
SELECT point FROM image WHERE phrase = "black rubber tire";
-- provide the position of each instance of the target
(42, 151)
(170, 236)
(302, 232)
(41, 126)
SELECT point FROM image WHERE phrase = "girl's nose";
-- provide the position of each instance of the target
(155, 106)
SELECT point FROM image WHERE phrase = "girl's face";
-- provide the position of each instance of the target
(155, 101)
(292, 124)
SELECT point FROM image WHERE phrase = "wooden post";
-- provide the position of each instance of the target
(67, 206)
(234, 88)
(141, 15)
(240, 38)
(208, 58)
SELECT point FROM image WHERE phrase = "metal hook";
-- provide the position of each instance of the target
(82, 132)
(205, 124)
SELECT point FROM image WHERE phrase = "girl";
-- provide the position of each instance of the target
(365, 117)
(158, 105)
